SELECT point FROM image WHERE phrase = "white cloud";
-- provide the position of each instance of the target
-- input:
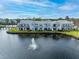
(42, 3)
(8, 16)
(1, 7)
(68, 7)
(18, 15)
(19, 1)
(38, 4)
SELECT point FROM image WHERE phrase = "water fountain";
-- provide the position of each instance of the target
(33, 45)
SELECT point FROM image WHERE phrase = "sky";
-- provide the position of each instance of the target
(39, 8)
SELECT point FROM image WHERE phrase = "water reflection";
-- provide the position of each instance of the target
(53, 36)
(55, 46)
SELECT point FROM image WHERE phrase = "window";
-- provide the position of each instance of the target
(36, 28)
(54, 28)
(40, 29)
(21, 25)
(28, 28)
(21, 29)
(24, 24)
(49, 29)
(40, 24)
(45, 28)
(54, 25)
(36, 24)
(45, 24)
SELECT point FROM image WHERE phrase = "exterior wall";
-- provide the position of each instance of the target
(45, 25)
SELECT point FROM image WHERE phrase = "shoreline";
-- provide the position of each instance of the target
(45, 32)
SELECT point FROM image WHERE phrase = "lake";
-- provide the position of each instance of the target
(20, 46)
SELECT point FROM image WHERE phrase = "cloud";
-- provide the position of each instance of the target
(8, 16)
(1, 7)
(38, 4)
(22, 14)
(42, 3)
(68, 7)
(35, 8)
(19, 1)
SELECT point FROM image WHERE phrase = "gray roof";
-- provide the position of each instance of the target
(42, 22)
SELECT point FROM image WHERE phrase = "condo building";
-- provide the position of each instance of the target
(45, 25)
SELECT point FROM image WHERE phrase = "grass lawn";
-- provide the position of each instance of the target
(73, 33)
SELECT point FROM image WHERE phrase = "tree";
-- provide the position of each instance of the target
(7, 21)
(33, 18)
(38, 19)
(60, 18)
(67, 18)
(13, 22)
(18, 20)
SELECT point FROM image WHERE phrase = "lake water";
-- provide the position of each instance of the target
(14, 46)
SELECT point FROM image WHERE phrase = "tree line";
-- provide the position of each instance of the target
(8, 21)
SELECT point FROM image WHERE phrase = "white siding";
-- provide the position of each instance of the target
(42, 25)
